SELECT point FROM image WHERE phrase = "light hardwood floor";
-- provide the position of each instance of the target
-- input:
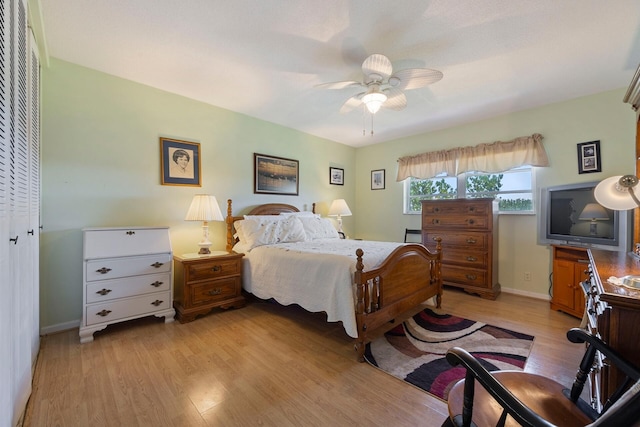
(262, 365)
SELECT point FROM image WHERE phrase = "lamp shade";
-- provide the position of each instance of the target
(374, 101)
(617, 192)
(592, 212)
(339, 208)
(204, 207)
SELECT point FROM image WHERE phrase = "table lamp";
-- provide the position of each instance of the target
(593, 212)
(339, 208)
(204, 208)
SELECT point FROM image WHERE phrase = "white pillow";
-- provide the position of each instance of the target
(268, 231)
(318, 228)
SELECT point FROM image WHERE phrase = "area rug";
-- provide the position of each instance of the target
(414, 351)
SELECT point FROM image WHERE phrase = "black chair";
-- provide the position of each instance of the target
(533, 400)
(408, 231)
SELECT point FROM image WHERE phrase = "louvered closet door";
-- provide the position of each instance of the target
(6, 334)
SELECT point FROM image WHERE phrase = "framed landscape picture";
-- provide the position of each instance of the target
(179, 162)
(336, 176)
(275, 175)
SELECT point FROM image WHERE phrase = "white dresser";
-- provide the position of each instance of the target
(126, 275)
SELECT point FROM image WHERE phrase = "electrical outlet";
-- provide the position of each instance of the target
(527, 276)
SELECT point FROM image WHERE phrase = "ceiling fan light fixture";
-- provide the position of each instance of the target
(374, 100)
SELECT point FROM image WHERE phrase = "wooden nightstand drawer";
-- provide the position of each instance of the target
(212, 269)
(212, 292)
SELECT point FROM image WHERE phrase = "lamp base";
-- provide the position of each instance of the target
(204, 251)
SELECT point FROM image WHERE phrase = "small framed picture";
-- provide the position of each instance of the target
(336, 176)
(275, 175)
(179, 162)
(377, 179)
(589, 157)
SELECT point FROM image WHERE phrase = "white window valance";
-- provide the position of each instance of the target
(493, 157)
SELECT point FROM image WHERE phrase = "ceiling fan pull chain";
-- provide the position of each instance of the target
(372, 125)
(364, 120)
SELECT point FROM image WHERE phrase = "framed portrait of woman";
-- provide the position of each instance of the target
(179, 162)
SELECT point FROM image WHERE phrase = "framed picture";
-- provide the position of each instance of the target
(336, 176)
(377, 179)
(589, 157)
(179, 162)
(274, 175)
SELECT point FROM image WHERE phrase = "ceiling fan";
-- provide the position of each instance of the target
(383, 88)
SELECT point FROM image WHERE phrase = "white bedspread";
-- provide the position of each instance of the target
(317, 274)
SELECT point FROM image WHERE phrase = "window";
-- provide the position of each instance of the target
(514, 189)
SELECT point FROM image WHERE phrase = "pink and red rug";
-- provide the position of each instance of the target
(414, 351)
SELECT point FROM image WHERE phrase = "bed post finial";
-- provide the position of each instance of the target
(313, 207)
(229, 222)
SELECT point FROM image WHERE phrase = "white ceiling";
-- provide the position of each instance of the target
(263, 58)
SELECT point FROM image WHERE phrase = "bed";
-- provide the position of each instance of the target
(362, 284)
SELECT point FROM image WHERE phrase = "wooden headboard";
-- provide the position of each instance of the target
(266, 209)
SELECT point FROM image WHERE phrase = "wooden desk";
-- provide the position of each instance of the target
(614, 310)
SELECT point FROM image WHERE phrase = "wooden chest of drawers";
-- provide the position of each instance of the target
(204, 282)
(468, 228)
(126, 275)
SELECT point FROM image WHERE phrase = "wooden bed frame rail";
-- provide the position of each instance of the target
(410, 275)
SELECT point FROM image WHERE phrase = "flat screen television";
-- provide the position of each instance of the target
(564, 219)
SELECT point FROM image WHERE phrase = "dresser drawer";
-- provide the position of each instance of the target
(105, 290)
(212, 269)
(465, 257)
(433, 222)
(119, 242)
(120, 309)
(210, 292)
(469, 240)
(464, 275)
(444, 207)
(112, 268)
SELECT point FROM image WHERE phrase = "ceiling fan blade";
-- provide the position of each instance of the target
(352, 103)
(338, 85)
(376, 65)
(396, 99)
(414, 78)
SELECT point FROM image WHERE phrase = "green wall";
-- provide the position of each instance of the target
(101, 167)
(601, 117)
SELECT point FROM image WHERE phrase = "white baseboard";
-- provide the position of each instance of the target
(59, 327)
(526, 293)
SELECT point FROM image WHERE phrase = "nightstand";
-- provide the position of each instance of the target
(204, 282)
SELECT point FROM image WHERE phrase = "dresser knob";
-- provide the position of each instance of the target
(213, 292)
(471, 276)
(157, 264)
(15, 241)
(435, 221)
(103, 292)
(471, 241)
(216, 268)
(157, 302)
(157, 284)
(103, 313)
(470, 221)
(436, 209)
(131, 233)
(103, 270)
(472, 258)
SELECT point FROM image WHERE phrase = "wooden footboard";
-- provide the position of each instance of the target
(408, 277)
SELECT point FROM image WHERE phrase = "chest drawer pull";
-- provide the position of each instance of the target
(471, 240)
(471, 221)
(103, 313)
(157, 302)
(472, 258)
(131, 233)
(213, 292)
(436, 209)
(157, 284)
(157, 264)
(103, 291)
(216, 268)
(103, 270)
(435, 221)
(471, 276)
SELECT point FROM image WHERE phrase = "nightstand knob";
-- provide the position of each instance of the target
(157, 264)
(103, 270)
(471, 276)
(213, 292)
(157, 302)
(103, 313)
(216, 268)
(103, 292)
(157, 284)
